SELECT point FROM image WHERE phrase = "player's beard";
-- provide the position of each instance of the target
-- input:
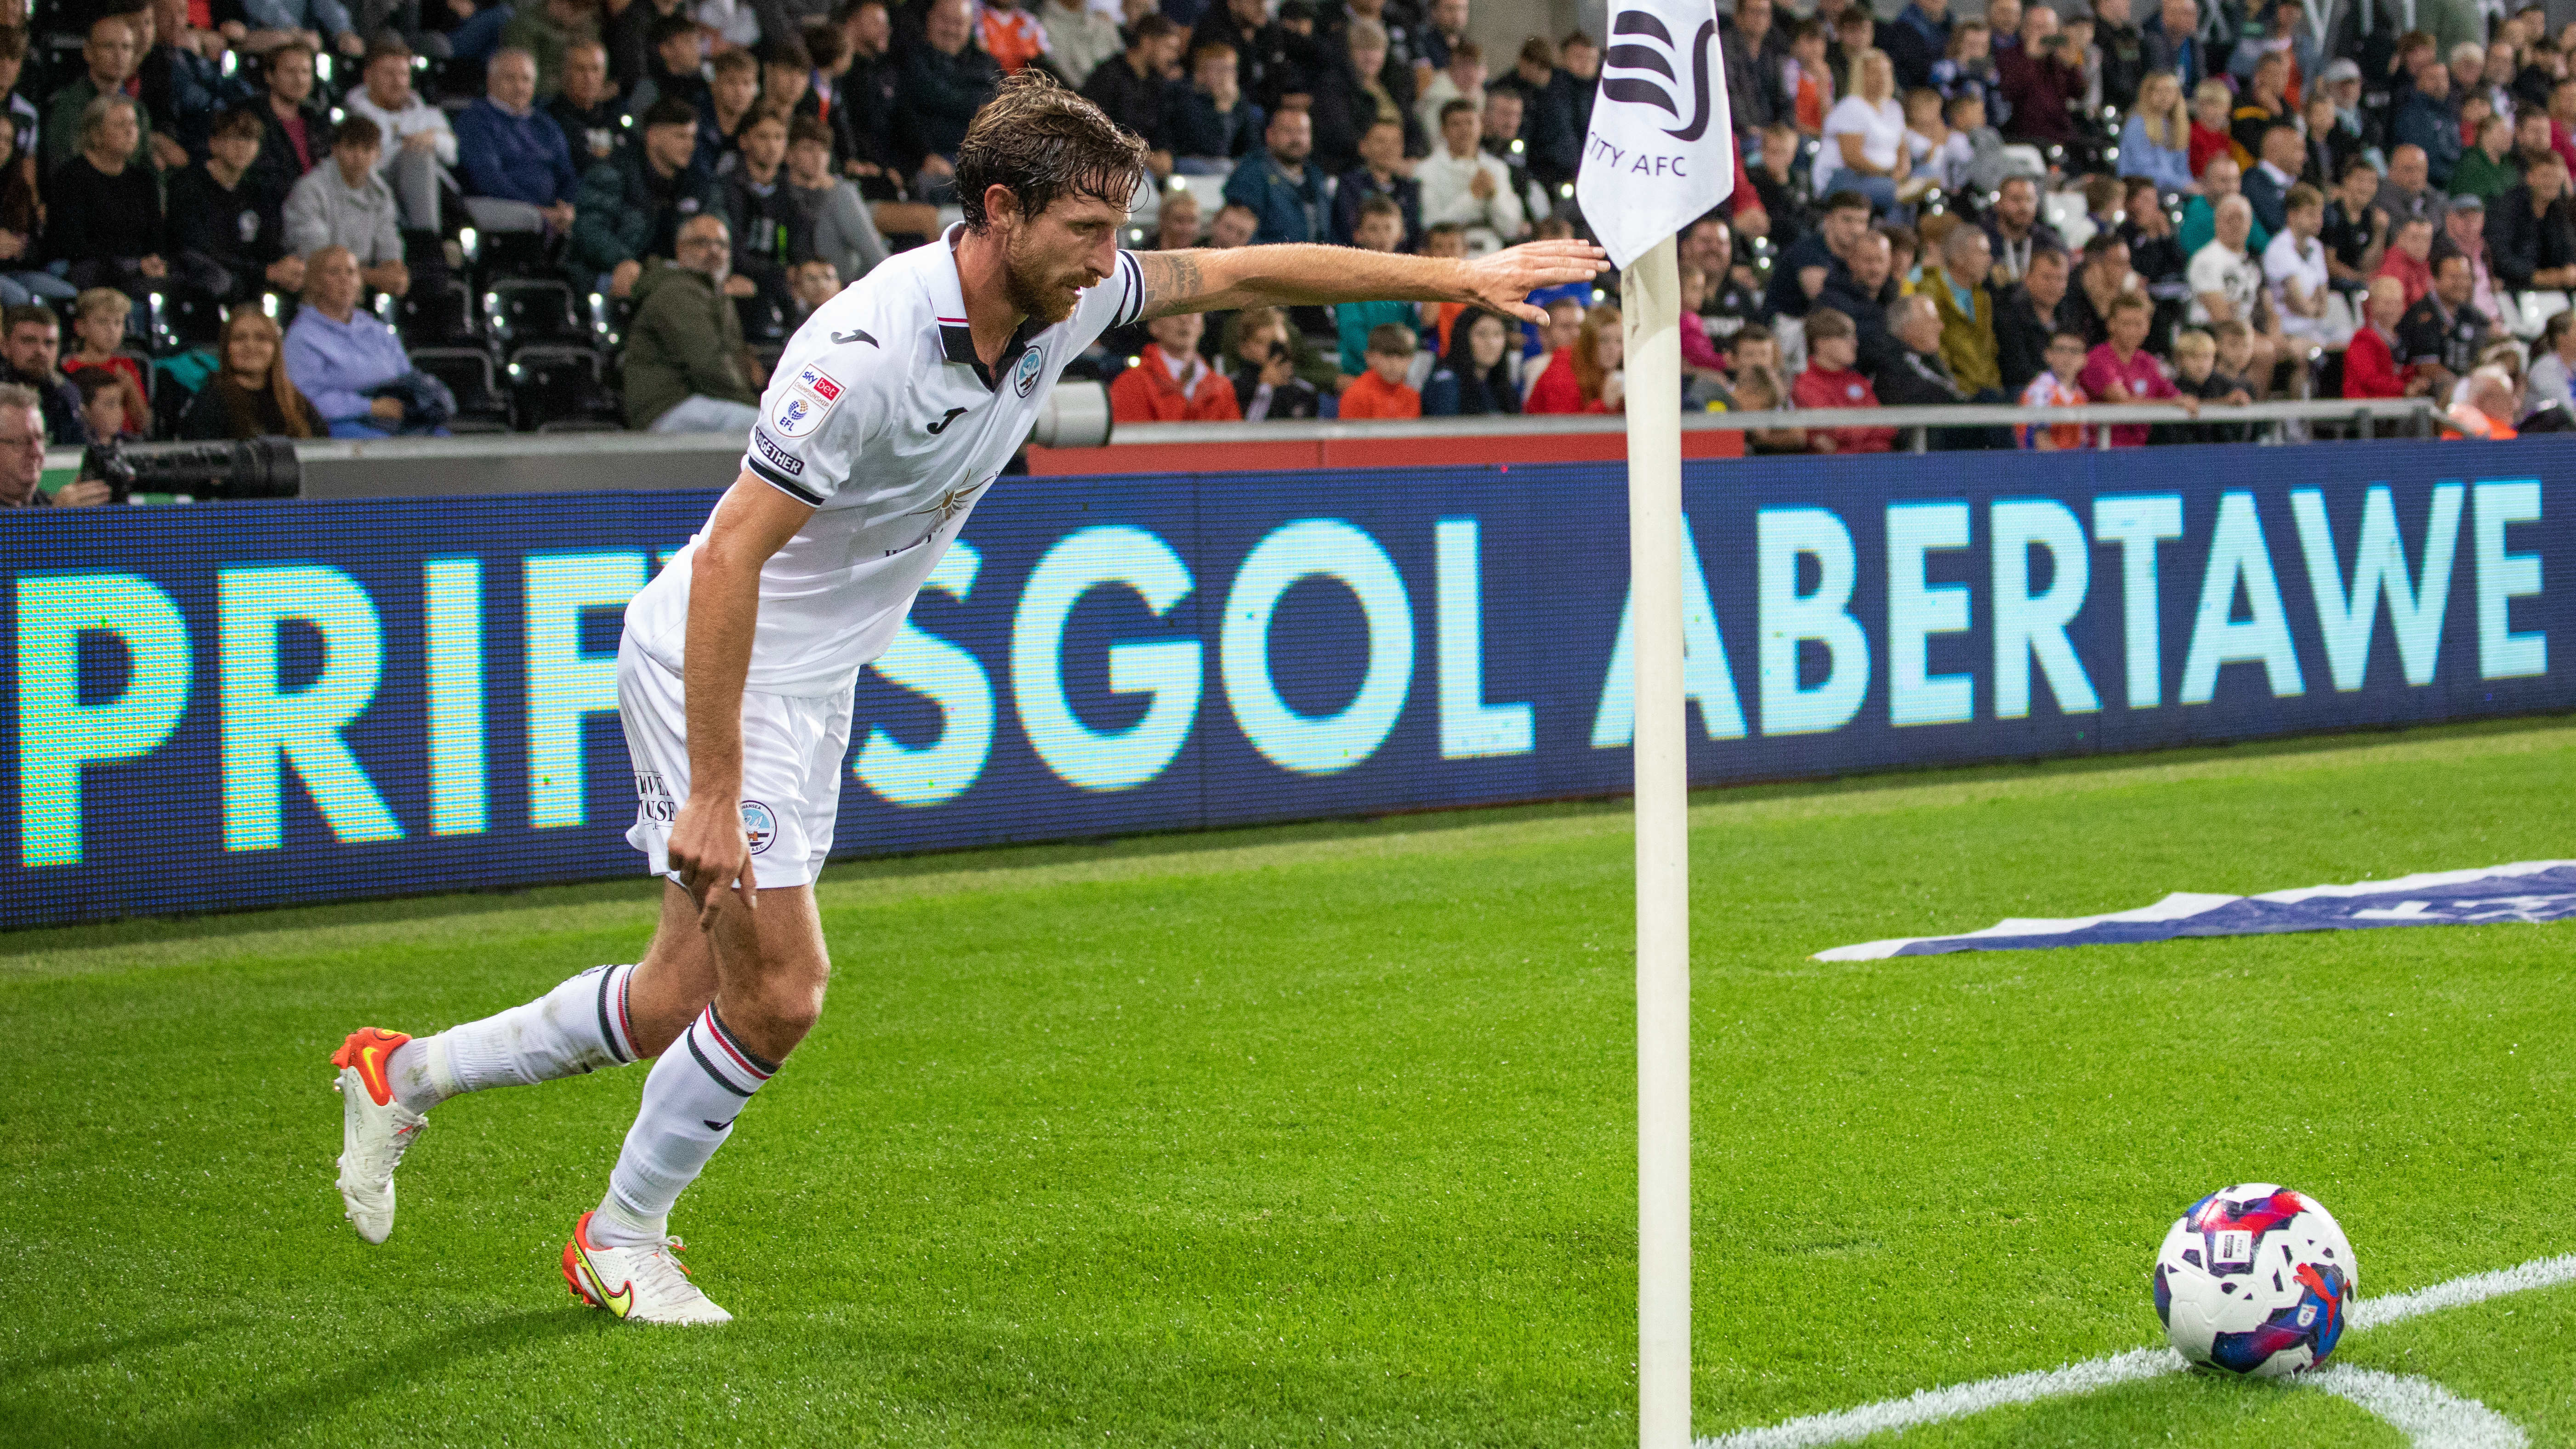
(1032, 292)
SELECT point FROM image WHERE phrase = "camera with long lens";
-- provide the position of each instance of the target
(248, 468)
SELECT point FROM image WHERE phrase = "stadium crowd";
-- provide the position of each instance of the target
(232, 218)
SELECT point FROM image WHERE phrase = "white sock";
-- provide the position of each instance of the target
(690, 1101)
(580, 1026)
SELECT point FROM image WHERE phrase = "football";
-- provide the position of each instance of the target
(2255, 1280)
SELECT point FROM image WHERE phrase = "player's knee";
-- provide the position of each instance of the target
(787, 1005)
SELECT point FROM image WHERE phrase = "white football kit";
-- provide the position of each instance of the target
(881, 417)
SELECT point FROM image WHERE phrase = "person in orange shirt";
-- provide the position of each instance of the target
(1011, 36)
(1380, 392)
(2487, 412)
(1171, 383)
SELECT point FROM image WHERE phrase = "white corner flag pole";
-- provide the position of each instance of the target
(1660, 154)
(1650, 296)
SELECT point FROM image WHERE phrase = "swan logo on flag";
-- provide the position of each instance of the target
(1661, 153)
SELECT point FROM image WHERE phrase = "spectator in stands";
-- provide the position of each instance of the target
(757, 211)
(2264, 104)
(2057, 385)
(2155, 141)
(632, 205)
(2409, 258)
(1549, 96)
(1172, 383)
(825, 216)
(1964, 302)
(110, 55)
(1755, 53)
(513, 159)
(103, 408)
(1862, 293)
(1211, 124)
(1381, 172)
(2227, 285)
(21, 225)
(2294, 271)
(22, 458)
(1079, 38)
(1179, 225)
(2408, 191)
(180, 84)
(2370, 364)
(2464, 227)
(1919, 36)
(2174, 44)
(2221, 180)
(2429, 121)
(2534, 230)
(1864, 148)
(1463, 79)
(677, 68)
(1266, 384)
(2154, 250)
(105, 221)
(2014, 230)
(2488, 409)
(294, 132)
(1284, 193)
(1832, 380)
(350, 365)
(1917, 376)
(1556, 339)
(584, 109)
(1356, 88)
(1968, 70)
(1461, 184)
(2102, 274)
(2267, 186)
(1475, 378)
(2441, 335)
(1009, 34)
(31, 345)
(2552, 379)
(1732, 300)
(1245, 27)
(1381, 229)
(945, 82)
(346, 204)
(13, 106)
(1134, 88)
(312, 24)
(686, 368)
(786, 75)
(546, 30)
(870, 97)
(2489, 168)
(418, 146)
(250, 396)
(1584, 375)
(2356, 230)
(2123, 54)
(2200, 373)
(1799, 277)
(1235, 226)
(2027, 316)
(810, 284)
(1380, 391)
(2121, 371)
(733, 95)
(2328, 146)
(98, 320)
(2043, 81)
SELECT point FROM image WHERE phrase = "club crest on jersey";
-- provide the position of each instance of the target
(759, 827)
(813, 394)
(1024, 378)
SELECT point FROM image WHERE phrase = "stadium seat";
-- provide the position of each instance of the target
(468, 373)
(2531, 312)
(181, 320)
(438, 313)
(1210, 191)
(522, 310)
(556, 383)
(498, 254)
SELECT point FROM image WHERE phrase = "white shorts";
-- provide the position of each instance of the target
(792, 749)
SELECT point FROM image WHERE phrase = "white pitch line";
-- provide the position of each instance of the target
(1958, 1401)
(2429, 1415)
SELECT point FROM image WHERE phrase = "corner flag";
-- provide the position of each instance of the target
(1662, 148)
(1660, 156)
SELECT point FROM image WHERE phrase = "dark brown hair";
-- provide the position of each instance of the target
(1044, 142)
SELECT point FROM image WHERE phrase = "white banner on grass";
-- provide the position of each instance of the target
(1662, 148)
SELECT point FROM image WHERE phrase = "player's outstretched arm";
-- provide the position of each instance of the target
(1293, 275)
(707, 849)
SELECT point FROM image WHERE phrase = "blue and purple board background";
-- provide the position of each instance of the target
(220, 707)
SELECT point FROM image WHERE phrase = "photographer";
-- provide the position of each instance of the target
(22, 457)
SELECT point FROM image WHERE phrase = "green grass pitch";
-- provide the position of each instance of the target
(1325, 1134)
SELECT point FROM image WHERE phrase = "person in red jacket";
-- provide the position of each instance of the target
(1833, 346)
(2370, 366)
(1171, 383)
(1380, 392)
(1586, 377)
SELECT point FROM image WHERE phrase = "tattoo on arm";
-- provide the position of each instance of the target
(1173, 281)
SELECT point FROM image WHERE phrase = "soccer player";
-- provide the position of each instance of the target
(891, 413)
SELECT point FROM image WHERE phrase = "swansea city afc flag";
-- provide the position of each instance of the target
(1662, 148)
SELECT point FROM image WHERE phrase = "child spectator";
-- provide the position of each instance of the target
(1380, 392)
(1752, 346)
(1757, 390)
(1209, 124)
(98, 321)
(102, 395)
(1381, 228)
(1969, 69)
(1703, 371)
(1564, 325)
(1266, 384)
(2057, 387)
(1475, 377)
(2233, 354)
(1831, 381)
(1171, 383)
(2201, 371)
(2211, 102)
(1583, 375)
(1807, 77)
(1941, 155)
(2121, 371)
(252, 397)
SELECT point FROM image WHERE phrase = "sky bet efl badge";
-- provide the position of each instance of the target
(809, 398)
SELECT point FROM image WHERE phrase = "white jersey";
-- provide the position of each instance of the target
(880, 416)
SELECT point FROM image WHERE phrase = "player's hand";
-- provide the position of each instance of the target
(708, 851)
(1502, 281)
